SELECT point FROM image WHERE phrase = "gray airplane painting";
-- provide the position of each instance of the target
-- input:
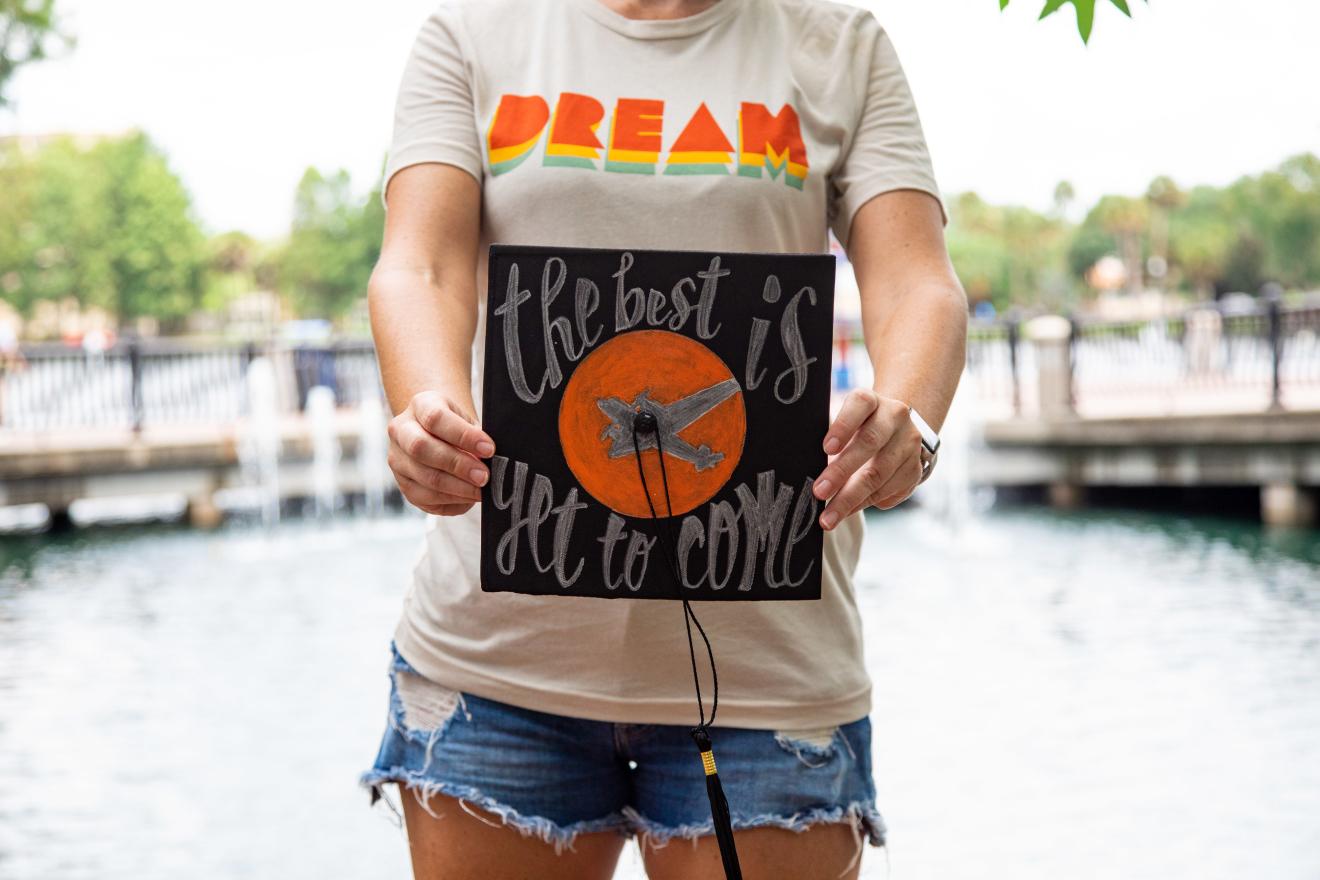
(671, 417)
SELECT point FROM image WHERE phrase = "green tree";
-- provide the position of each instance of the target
(1164, 197)
(28, 31)
(1063, 197)
(1282, 209)
(156, 249)
(1089, 243)
(1006, 254)
(1201, 247)
(1125, 220)
(333, 245)
(110, 226)
(231, 263)
(1244, 265)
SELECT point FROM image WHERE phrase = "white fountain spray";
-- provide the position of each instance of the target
(325, 449)
(260, 446)
(950, 497)
(371, 452)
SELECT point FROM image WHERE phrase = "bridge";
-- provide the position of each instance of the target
(203, 464)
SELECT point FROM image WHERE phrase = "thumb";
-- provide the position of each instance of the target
(466, 411)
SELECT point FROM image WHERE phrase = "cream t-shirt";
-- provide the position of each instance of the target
(754, 125)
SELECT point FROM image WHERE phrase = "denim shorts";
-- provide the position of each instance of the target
(554, 777)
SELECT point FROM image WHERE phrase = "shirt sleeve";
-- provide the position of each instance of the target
(434, 118)
(887, 150)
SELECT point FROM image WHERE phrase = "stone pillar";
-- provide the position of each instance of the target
(1287, 504)
(1049, 335)
(1066, 496)
(203, 512)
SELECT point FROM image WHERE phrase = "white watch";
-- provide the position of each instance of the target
(930, 444)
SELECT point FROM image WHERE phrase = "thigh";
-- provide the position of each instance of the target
(455, 841)
(494, 790)
(802, 802)
(822, 852)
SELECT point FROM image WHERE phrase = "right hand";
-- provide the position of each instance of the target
(435, 453)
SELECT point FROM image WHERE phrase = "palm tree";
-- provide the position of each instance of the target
(1164, 197)
(1126, 219)
(1063, 197)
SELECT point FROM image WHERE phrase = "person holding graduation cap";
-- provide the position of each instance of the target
(532, 735)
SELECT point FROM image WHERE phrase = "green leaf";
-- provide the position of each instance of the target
(1085, 18)
(1085, 14)
(1051, 7)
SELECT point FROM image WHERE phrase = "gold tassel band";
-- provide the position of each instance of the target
(708, 761)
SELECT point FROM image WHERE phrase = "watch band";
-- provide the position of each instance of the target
(930, 443)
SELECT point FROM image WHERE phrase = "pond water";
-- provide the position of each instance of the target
(1057, 695)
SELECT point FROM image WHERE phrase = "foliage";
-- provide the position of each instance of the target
(1258, 229)
(28, 28)
(1281, 208)
(1001, 251)
(1085, 12)
(1211, 240)
(1088, 245)
(1244, 265)
(333, 245)
(1121, 216)
(1200, 249)
(236, 265)
(1164, 194)
(1063, 197)
(109, 225)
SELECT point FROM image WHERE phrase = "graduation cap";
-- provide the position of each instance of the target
(658, 418)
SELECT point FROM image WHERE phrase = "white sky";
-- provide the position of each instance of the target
(245, 94)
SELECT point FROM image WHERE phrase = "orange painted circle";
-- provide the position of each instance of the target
(667, 368)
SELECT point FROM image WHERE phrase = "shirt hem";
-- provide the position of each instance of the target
(594, 707)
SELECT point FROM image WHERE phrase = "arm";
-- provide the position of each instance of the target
(914, 319)
(423, 302)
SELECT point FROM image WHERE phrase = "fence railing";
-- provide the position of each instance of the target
(161, 382)
(1206, 359)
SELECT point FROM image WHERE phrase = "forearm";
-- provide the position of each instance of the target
(423, 321)
(916, 336)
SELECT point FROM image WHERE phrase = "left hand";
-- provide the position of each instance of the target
(875, 456)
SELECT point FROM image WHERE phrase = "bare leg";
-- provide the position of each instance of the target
(459, 846)
(822, 852)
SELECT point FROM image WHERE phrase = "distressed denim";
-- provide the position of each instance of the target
(555, 777)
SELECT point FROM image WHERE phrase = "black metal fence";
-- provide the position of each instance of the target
(995, 361)
(1261, 357)
(160, 382)
(1265, 356)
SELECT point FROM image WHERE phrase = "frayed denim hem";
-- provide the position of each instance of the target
(863, 817)
(859, 814)
(561, 837)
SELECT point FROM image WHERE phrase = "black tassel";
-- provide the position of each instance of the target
(719, 806)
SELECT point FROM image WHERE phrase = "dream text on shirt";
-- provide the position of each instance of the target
(770, 142)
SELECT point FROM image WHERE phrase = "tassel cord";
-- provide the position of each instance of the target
(646, 425)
